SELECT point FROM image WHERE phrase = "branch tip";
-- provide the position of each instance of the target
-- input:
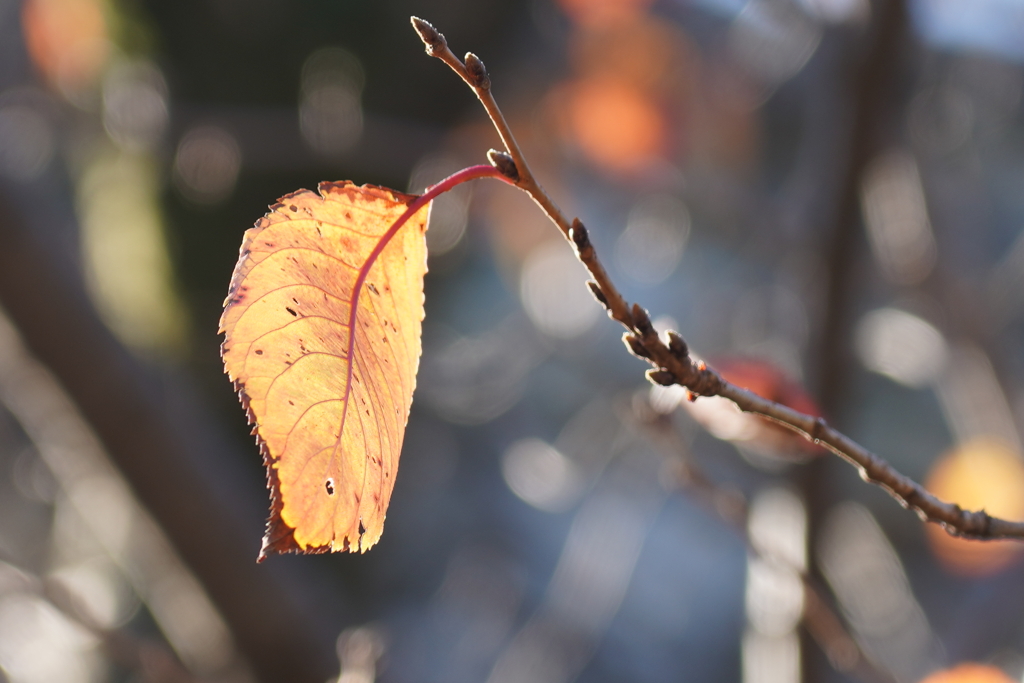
(504, 162)
(431, 37)
(476, 72)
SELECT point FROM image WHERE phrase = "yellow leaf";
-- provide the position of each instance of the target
(322, 340)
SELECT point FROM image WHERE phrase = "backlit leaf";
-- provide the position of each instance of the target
(322, 339)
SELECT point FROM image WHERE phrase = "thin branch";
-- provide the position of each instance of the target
(671, 361)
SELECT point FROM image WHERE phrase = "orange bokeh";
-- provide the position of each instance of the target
(66, 40)
(602, 12)
(969, 672)
(646, 52)
(982, 473)
(614, 123)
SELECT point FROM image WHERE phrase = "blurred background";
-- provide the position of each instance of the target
(823, 196)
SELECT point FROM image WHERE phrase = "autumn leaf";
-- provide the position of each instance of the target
(322, 339)
(322, 327)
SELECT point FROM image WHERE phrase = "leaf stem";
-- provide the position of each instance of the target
(431, 193)
(455, 179)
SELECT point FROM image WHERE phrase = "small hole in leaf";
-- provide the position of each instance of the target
(291, 311)
(362, 529)
(259, 352)
(329, 485)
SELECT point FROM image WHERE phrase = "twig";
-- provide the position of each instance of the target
(671, 361)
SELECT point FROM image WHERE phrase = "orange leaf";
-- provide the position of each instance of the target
(322, 339)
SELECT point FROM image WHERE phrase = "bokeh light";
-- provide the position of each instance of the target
(874, 592)
(125, 252)
(67, 41)
(330, 109)
(838, 11)
(614, 123)
(207, 164)
(969, 672)
(602, 12)
(982, 473)
(27, 141)
(773, 39)
(553, 292)
(644, 50)
(897, 218)
(540, 475)
(901, 346)
(38, 644)
(650, 247)
(135, 112)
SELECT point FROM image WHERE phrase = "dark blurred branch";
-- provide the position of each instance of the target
(158, 448)
(871, 80)
(671, 361)
(846, 117)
